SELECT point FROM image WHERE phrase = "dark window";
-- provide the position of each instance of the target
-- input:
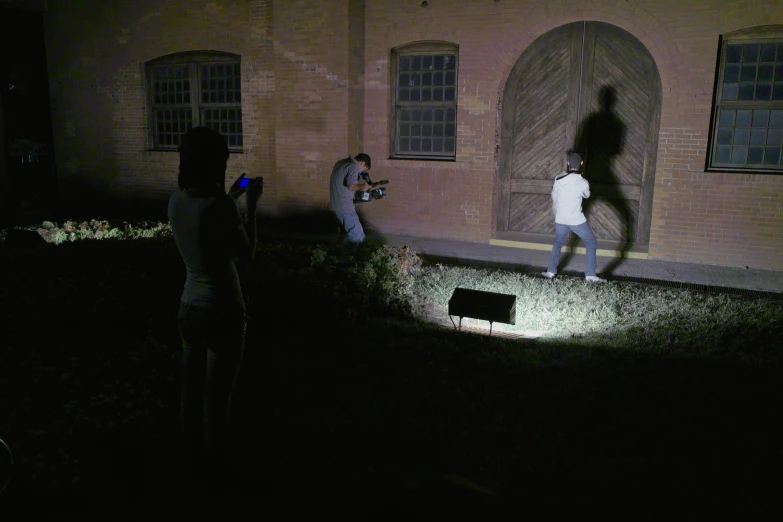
(747, 133)
(424, 101)
(191, 90)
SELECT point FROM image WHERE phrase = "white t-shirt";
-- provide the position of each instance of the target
(567, 194)
(202, 226)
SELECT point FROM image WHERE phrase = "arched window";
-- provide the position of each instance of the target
(747, 129)
(424, 101)
(193, 89)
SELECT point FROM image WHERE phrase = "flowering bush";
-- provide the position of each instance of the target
(98, 229)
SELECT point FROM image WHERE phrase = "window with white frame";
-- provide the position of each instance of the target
(747, 129)
(424, 101)
(194, 89)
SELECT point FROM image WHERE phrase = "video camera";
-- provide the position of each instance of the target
(374, 193)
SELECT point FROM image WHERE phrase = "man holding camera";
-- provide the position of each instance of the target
(344, 183)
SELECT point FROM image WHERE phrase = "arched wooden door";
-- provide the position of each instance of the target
(593, 87)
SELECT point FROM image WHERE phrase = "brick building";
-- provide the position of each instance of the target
(466, 106)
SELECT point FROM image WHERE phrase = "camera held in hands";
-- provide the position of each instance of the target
(245, 182)
(374, 193)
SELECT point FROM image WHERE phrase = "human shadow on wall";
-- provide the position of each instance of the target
(600, 140)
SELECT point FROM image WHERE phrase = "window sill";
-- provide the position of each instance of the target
(422, 163)
(729, 170)
(154, 149)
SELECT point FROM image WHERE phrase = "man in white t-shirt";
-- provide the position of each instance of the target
(567, 193)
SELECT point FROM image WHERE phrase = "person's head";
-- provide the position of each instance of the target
(574, 161)
(364, 161)
(203, 155)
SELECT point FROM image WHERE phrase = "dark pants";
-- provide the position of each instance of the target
(213, 341)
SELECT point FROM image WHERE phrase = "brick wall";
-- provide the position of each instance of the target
(316, 88)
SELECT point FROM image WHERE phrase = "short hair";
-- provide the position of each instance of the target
(365, 158)
(203, 154)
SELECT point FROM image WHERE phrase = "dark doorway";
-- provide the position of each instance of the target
(27, 169)
(585, 85)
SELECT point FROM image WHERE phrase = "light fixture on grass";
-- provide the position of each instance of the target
(485, 306)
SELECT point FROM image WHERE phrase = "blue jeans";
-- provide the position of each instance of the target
(585, 233)
(213, 341)
(349, 221)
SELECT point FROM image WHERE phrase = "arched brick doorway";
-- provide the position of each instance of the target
(590, 86)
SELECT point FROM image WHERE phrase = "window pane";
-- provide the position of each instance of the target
(726, 118)
(755, 155)
(437, 145)
(404, 145)
(416, 63)
(777, 92)
(739, 155)
(750, 53)
(451, 78)
(744, 118)
(405, 95)
(741, 137)
(450, 62)
(404, 80)
(449, 94)
(415, 144)
(416, 130)
(427, 114)
(426, 145)
(772, 156)
(774, 138)
(415, 94)
(438, 130)
(776, 119)
(437, 94)
(451, 115)
(426, 63)
(723, 155)
(405, 63)
(426, 79)
(437, 62)
(747, 91)
(766, 72)
(768, 52)
(437, 78)
(748, 73)
(406, 115)
(779, 72)
(725, 136)
(763, 91)
(426, 130)
(450, 129)
(449, 145)
(730, 91)
(439, 114)
(758, 137)
(426, 94)
(405, 129)
(416, 115)
(760, 118)
(733, 53)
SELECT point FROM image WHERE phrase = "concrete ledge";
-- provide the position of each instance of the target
(602, 252)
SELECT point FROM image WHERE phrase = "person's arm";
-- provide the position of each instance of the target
(243, 237)
(352, 181)
(586, 190)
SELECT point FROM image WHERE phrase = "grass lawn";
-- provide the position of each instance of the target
(633, 401)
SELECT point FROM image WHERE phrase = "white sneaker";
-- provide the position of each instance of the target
(594, 279)
(548, 275)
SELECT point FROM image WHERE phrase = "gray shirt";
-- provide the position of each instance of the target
(345, 172)
(202, 226)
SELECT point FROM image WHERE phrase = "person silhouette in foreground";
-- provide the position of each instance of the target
(567, 193)
(600, 140)
(210, 233)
